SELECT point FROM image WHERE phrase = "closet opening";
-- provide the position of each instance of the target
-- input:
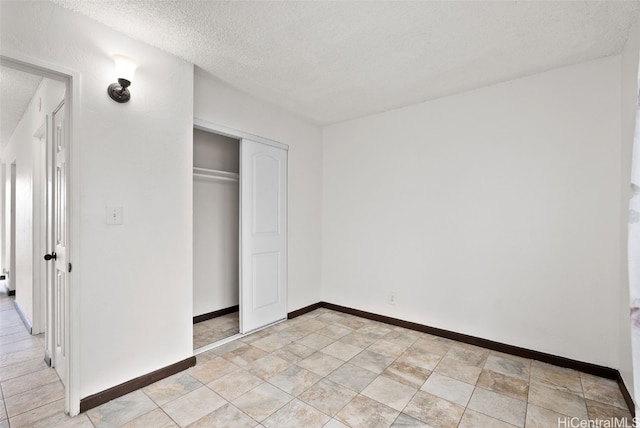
(216, 235)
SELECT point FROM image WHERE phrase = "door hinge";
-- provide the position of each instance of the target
(70, 267)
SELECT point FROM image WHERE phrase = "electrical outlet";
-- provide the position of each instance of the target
(392, 298)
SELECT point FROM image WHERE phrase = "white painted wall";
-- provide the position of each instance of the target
(494, 213)
(215, 224)
(218, 103)
(630, 230)
(135, 279)
(22, 149)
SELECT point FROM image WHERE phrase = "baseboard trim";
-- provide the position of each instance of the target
(593, 369)
(215, 314)
(134, 384)
(304, 310)
(627, 396)
(47, 357)
(23, 317)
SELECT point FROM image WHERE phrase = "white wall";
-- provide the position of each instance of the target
(218, 103)
(23, 149)
(215, 224)
(630, 248)
(134, 280)
(494, 213)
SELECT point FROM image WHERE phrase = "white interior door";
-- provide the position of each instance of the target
(60, 290)
(263, 235)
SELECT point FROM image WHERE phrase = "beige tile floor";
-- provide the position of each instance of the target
(323, 369)
(213, 330)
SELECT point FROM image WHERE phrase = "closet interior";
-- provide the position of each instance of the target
(216, 169)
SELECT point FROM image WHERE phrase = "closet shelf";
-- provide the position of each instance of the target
(215, 174)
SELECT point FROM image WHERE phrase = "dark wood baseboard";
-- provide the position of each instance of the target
(593, 369)
(215, 314)
(140, 382)
(304, 310)
(627, 396)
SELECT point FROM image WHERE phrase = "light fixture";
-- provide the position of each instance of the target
(125, 68)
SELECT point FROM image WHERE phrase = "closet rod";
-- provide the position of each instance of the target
(215, 174)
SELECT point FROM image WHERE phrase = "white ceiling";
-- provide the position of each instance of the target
(334, 60)
(16, 90)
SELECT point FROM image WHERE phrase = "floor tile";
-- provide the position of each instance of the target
(507, 367)
(419, 358)
(22, 368)
(498, 406)
(473, 419)
(234, 384)
(41, 417)
(566, 403)
(262, 401)
(407, 373)
(603, 390)
(227, 416)
(366, 413)
(387, 348)
(155, 418)
(432, 345)
(296, 414)
(434, 410)
(212, 369)
(335, 332)
(389, 392)
(327, 396)
(556, 377)
(358, 339)
(294, 380)
(271, 343)
(268, 366)
(315, 341)
(450, 389)
(405, 421)
(342, 351)
(353, 377)
(458, 370)
(597, 410)
(121, 410)
(33, 399)
(244, 356)
(172, 387)
(321, 364)
(29, 381)
(294, 352)
(372, 361)
(537, 417)
(334, 423)
(402, 337)
(471, 356)
(193, 406)
(503, 384)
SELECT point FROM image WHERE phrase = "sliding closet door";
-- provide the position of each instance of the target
(263, 235)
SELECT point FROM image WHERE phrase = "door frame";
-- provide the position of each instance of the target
(71, 78)
(214, 128)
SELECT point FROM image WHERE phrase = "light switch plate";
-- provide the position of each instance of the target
(114, 215)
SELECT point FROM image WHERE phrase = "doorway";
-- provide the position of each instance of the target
(216, 167)
(240, 234)
(35, 153)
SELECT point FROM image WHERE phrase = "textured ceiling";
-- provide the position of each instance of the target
(16, 90)
(332, 60)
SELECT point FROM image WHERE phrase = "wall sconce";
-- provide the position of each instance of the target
(125, 68)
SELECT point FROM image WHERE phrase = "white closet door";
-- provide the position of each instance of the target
(263, 235)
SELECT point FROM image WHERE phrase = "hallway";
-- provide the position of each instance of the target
(31, 394)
